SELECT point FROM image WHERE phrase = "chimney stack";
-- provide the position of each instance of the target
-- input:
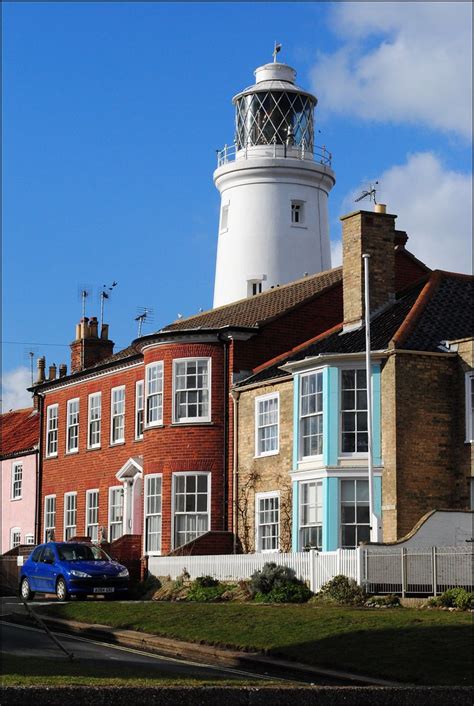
(41, 366)
(62, 370)
(88, 349)
(371, 232)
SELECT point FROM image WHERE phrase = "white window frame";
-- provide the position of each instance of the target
(69, 414)
(149, 384)
(350, 454)
(180, 513)
(320, 414)
(139, 407)
(318, 505)
(96, 420)
(89, 509)
(271, 495)
(70, 509)
(297, 207)
(355, 502)
(259, 401)
(47, 513)
(470, 407)
(147, 514)
(52, 431)
(29, 538)
(16, 481)
(15, 531)
(113, 416)
(192, 420)
(224, 218)
(116, 522)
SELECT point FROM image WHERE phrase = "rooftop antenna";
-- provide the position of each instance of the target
(105, 294)
(276, 49)
(84, 291)
(30, 352)
(370, 193)
(144, 314)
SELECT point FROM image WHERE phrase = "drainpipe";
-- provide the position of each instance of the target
(235, 517)
(225, 493)
(39, 470)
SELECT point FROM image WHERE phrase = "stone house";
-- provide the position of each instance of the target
(422, 384)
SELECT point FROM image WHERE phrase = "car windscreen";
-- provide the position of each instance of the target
(81, 552)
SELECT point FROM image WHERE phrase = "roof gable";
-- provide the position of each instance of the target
(19, 432)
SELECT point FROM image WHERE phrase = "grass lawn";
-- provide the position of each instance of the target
(406, 645)
(18, 671)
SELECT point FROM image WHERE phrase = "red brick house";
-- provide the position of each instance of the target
(137, 446)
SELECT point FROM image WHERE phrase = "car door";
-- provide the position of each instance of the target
(31, 568)
(47, 570)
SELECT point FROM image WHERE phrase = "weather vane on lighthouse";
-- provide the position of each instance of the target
(276, 49)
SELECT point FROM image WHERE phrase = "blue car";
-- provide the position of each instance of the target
(72, 569)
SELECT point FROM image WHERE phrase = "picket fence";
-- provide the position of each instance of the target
(401, 570)
(315, 568)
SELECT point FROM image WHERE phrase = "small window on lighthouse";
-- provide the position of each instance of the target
(297, 212)
(224, 218)
(254, 286)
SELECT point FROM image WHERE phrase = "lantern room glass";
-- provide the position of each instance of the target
(275, 117)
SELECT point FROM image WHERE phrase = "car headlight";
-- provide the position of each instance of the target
(79, 574)
(123, 574)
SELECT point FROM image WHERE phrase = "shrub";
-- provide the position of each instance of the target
(146, 588)
(388, 601)
(342, 590)
(270, 577)
(206, 582)
(457, 598)
(203, 594)
(285, 593)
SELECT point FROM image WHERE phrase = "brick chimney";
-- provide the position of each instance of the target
(88, 349)
(371, 232)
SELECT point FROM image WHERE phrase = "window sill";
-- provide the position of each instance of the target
(50, 456)
(139, 438)
(204, 423)
(93, 448)
(71, 453)
(298, 225)
(15, 499)
(267, 454)
(156, 425)
(117, 443)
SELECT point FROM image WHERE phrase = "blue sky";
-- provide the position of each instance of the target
(112, 113)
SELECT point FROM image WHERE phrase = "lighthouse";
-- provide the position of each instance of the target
(274, 184)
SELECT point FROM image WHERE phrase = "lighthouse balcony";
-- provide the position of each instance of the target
(231, 153)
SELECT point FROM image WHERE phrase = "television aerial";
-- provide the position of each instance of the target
(144, 314)
(369, 193)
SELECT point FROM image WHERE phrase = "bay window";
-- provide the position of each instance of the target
(311, 514)
(153, 502)
(154, 394)
(311, 414)
(191, 390)
(354, 429)
(191, 506)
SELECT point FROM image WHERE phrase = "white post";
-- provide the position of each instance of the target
(373, 518)
(434, 564)
(312, 571)
(359, 551)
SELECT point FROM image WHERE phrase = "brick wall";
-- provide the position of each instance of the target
(268, 473)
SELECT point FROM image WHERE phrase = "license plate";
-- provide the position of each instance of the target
(109, 589)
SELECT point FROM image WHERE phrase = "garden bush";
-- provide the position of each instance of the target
(342, 590)
(270, 577)
(388, 601)
(206, 582)
(203, 593)
(285, 593)
(457, 598)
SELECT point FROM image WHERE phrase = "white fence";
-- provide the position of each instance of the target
(316, 568)
(379, 569)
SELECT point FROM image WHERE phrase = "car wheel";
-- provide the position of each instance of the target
(61, 590)
(25, 591)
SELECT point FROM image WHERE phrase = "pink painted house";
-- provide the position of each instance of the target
(19, 436)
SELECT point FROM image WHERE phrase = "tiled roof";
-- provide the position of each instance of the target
(19, 432)
(263, 307)
(440, 308)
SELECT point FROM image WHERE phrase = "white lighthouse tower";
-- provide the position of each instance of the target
(274, 185)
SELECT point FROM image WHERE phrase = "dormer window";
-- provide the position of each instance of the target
(297, 213)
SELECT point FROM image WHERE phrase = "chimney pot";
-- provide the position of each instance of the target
(62, 370)
(41, 366)
(104, 332)
(380, 208)
(93, 327)
(52, 372)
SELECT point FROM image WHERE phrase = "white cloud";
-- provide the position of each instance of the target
(14, 392)
(400, 62)
(434, 206)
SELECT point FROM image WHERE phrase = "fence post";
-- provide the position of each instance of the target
(403, 557)
(312, 570)
(434, 563)
(359, 551)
